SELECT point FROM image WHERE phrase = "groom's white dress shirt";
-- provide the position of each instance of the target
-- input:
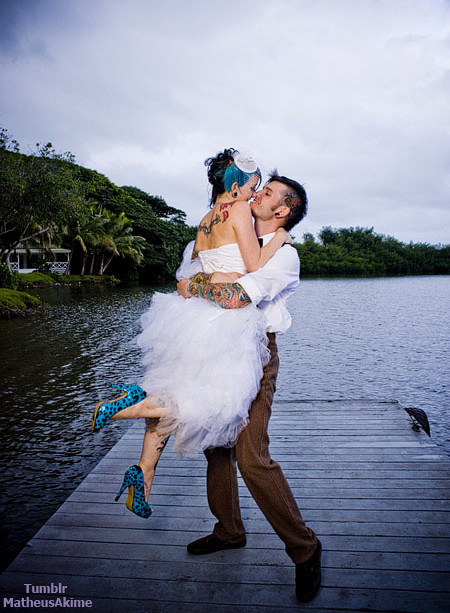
(270, 286)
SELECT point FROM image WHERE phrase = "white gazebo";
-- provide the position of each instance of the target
(28, 260)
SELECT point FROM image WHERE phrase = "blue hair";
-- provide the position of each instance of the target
(233, 174)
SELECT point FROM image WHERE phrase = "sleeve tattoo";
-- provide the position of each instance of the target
(225, 295)
(203, 278)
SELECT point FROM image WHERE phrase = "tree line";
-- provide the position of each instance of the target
(363, 252)
(47, 200)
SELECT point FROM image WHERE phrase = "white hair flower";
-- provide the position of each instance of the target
(245, 163)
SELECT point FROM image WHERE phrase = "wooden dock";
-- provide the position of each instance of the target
(375, 491)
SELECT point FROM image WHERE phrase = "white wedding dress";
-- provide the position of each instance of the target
(205, 361)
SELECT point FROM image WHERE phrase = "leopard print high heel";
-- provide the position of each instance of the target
(104, 410)
(134, 481)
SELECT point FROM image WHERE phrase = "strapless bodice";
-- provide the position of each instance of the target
(226, 258)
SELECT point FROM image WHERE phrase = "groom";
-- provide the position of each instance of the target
(282, 202)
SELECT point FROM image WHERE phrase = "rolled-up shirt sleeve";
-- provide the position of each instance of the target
(270, 287)
(280, 274)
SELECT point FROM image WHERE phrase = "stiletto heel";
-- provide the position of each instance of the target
(104, 410)
(116, 385)
(134, 481)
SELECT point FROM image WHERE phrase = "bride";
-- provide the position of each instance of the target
(203, 363)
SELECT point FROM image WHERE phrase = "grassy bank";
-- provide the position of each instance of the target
(16, 304)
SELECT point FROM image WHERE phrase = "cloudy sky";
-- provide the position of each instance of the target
(350, 97)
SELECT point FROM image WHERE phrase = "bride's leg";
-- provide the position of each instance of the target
(152, 448)
(151, 407)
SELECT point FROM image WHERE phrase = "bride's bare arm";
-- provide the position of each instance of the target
(253, 255)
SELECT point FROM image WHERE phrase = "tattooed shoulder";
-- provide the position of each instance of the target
(206, 228)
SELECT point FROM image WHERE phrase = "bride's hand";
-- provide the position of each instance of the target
(287, 237)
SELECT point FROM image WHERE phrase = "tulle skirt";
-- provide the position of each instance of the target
(207, 364)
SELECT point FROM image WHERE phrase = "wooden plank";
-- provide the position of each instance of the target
(393, 480)
(345, 559)
(301, 474)
(198, 502)
(180, 492)
(153, 536)
(230, 573)
(189, 590)
(258, 525)
(67, 514)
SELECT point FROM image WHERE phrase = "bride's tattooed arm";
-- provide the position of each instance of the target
(225, 295)
(202, 278)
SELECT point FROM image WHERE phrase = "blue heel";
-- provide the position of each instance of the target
(104, 410)
(116, 385)
(134, 481)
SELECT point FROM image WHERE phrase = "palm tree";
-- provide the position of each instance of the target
(117, 239)
(86, 233)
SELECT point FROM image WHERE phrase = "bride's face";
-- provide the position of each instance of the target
(248, 190)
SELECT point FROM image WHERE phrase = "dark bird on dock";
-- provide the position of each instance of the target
(419, 419)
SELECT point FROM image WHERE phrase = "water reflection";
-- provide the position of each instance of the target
(350, 338)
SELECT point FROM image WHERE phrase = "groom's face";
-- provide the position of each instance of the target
(268, 200)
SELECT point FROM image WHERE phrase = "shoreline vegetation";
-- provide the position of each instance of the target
(14, 303)
(124, 234)
(39, 279)
(18, 303)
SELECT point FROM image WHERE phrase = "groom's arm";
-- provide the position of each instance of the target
(225, 295)
(279, 275)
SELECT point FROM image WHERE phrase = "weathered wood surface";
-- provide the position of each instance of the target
(376, 492)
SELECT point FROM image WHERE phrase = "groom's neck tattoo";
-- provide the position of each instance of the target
(225, 295)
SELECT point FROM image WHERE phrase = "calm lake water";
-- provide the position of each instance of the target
(351, 338)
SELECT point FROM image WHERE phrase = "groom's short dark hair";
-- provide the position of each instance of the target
(295, 198)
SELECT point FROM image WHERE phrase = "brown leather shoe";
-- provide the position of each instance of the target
(308, 576)
(210, 544)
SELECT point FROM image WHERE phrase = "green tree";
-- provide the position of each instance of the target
(361, 251)
(84, 233)
(158, 205)
(117, 239)
(38, 193)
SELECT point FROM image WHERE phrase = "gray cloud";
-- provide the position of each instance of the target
(350, 98)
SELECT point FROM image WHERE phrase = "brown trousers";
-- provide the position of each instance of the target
(263, 477)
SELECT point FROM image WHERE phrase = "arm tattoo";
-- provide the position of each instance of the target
(225, 295)
(202, 277)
